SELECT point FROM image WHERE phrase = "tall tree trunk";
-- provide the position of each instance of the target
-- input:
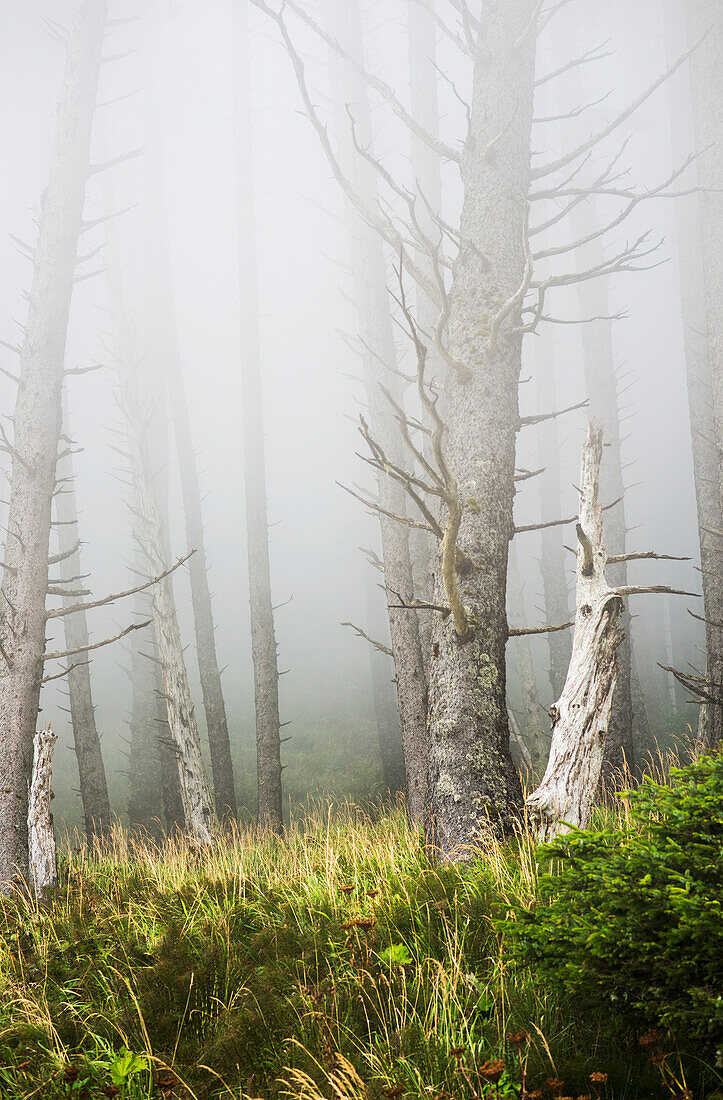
(263, 634)
(379, 359)
(161, 320)
(198, 809)
(700, 239)
(535, 726)
(91, 771)
(553, 562)
(208, 667)
(473, 781)
(37, 424)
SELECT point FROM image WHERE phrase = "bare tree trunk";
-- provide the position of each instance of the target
(553, 561)
(581, 716)
(534, 732)
(473, 782)
(379, 358)
(91, 771)
(41, 835)
(37, 423)
(699, 262)
(208, 667)
(263, 634)
(198, 809)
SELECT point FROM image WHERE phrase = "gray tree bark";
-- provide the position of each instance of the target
(582, 714)
(473, 782)
(86, 741)
(37, 424)
(263, 633)
(380, 362)
(41, 835)
(700, 241)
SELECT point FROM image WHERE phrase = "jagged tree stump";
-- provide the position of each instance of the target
(581, 715)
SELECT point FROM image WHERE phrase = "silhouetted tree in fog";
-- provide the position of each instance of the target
(263, 633)
(36, 431)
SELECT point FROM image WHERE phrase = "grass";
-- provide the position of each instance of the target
(337, 961)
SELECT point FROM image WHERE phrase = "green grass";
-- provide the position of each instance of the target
(337, 961)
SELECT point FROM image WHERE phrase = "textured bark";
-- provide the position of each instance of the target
(472, 779)
(263, 634)
(700, 240)
(581, 716)
(379, 354)
(91, 770)
(553, 557)
(37, 422)
(41, 835)
(534, 732)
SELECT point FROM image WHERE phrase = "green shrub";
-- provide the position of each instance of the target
(631, 920)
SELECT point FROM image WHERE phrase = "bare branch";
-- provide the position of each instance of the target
(361, 634)
(615, 559)
(96, 645)
(595, 139)
(518, 631)
(60, 612)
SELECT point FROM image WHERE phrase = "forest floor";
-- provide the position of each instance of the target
(337, 961)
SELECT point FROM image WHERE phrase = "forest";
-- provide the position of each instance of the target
(361, 621)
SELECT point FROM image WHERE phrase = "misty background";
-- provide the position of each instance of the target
(183, 115)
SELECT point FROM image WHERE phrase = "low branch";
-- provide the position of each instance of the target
(96, 645)
(60, 612)
(518, 631)
(662, 589)
(616, 559)
(362, 634)
(526, 421)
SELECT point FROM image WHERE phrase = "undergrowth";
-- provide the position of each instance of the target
(337, 961)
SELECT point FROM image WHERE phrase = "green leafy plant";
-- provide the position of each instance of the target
(630, 919)
(397, 954)
(125, 1066)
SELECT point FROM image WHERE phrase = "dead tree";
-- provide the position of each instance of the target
(263, 634)
(495, 296)
(198, 808)
(69, 584)
(41, 835)
(37, 426)
(581, 716)
(381, 371)
(164, 322)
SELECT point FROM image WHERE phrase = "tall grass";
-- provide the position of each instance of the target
(335, 961)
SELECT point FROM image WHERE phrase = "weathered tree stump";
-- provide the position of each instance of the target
(41, 835)
(581, 715)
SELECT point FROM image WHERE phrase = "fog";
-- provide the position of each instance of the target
(178, 60)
